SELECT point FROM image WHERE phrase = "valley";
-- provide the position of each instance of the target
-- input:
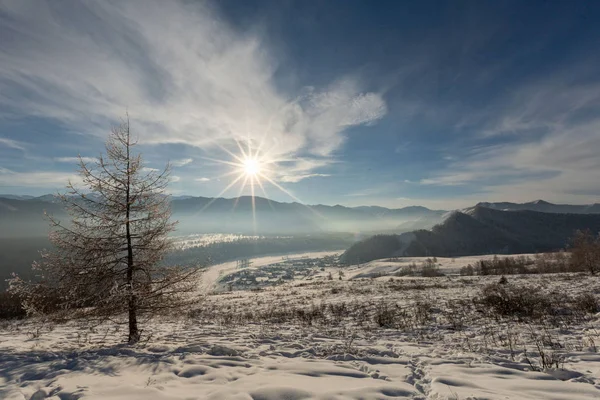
(369, 335)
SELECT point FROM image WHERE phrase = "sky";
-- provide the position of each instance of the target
(394, 103)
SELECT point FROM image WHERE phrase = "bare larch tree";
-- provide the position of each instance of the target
(585, 252)
(107, 261)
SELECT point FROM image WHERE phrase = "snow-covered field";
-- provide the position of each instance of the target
(447, 265)
(382, 338)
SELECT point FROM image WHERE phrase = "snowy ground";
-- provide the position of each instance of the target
(319, 339)
(447, 265)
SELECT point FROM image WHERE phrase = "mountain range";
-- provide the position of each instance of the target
(22, 216)
(481, 230)
(544, 206)
(411, 231)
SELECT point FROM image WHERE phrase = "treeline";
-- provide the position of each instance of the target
(428, 268)
(583, 256)
(545, 263)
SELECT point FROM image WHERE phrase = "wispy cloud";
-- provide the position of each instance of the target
(562, 166)
(365, 192)
(549, 104)
(203, 179)
(298, 169)
(185, 76)
(182, 162)
(298, 178)
(46, 179)
(75, 159)
(13, 144)
(540, 140)
(148, 169)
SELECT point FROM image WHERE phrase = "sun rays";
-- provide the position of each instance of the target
(251, 168)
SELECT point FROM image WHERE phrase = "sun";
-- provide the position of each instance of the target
(251, 166)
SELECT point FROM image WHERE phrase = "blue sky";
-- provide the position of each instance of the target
(393, 103)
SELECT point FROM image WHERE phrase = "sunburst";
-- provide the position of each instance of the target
(252, 167)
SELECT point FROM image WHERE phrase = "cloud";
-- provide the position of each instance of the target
(365, 192)
(75, 159)
(548, 104)
(295, 170)
(174, 178)
(148, 169)
(13, 144)
(46, 179)
(181, 162)
(298, 178)
(563, 166)
(185, 76)
(203, 179)
(541, 141)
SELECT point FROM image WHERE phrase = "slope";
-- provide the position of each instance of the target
(480, 230)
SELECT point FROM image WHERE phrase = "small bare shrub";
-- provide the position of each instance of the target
(467, 270)
(586, 303)
(422, 311)
(514, 301)
(547, 359)
(385, 316)
(456, 313)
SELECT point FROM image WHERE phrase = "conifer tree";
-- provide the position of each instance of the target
(106, 261)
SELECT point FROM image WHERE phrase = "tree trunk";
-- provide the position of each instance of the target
(134, 335)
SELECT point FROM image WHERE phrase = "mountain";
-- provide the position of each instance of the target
(24, 217)
(479, 230)
(16, 197)
(236, 215)
(544, 206)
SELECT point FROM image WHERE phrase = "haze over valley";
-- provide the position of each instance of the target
(215, 230)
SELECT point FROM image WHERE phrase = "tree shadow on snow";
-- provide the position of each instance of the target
(23, 367)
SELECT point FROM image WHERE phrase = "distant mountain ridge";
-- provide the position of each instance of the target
(16, 197)
(21, 216)
(544, 206)
(479, 230)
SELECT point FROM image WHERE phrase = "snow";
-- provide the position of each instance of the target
(249, 345)
(447, 265)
